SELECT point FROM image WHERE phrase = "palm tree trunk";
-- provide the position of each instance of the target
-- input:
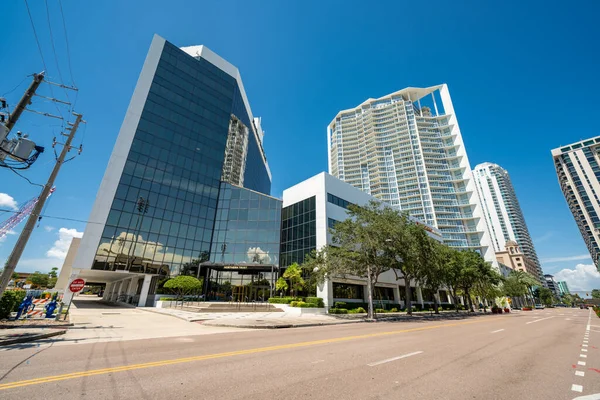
(435, 302)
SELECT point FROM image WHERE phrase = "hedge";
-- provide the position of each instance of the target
(281, 300)
(338, 311)
(317, 301)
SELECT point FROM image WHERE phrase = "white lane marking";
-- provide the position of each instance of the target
(579, 373)
(318, 361)
(584, 350)
(581, 363)
(394, 359)
(584, 345)
(582, 356)
(567, 319)
(589, 397)
(537, 320)
(499, 330)
(577, 388)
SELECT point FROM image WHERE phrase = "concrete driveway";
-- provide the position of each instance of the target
(95, 321)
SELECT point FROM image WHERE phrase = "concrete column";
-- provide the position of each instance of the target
(145, 290)
(119, 289)
(397, 294)
(325, 291)
(420, 296)
(107, 291)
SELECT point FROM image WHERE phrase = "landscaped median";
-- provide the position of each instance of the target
(299, 305)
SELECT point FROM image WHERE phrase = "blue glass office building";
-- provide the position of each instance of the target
(187, 187)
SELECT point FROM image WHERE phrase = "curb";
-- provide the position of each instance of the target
(67, 325)
(31, 338)
(284, 326)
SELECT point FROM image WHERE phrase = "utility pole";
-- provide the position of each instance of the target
(25, 100)
(15, 255)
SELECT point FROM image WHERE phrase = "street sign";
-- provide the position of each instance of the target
(76, 285)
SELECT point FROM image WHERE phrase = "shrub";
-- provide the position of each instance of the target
(317, 301)
(354, 311)
(338, 311)
(281, 300)
(339, 304)
(394, 309)
(380, 310)
(166, 299)
(294, 303)
(10, 302)
(360, 310)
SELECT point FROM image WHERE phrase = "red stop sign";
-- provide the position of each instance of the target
(76, 285)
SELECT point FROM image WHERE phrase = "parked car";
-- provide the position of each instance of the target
(583, 306)
(539, 307)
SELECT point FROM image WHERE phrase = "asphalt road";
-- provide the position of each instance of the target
(529, 355)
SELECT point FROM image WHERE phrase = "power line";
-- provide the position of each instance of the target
(16, 87)
(55, 217)
(39, 46)
(54, 49)
(67, 41)
(24, 177)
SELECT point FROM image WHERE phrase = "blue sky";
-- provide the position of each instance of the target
(523, 81)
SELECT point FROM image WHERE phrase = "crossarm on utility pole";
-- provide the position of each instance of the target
(25, 100)
(17, 251)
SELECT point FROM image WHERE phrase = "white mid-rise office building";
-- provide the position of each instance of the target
(406, 149)
(578, 169)
(310, 209)
(502, 212)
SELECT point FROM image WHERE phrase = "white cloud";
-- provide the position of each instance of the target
(8, 201)
(544, 237)
(3, 238)
(584, 277)
(569, 258)
(61, 246)
(49, 228)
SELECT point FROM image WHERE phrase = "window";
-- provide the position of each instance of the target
(338, 201)
(347, 291)
(331, 223)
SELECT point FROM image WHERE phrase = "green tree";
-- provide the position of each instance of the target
(53, 272)
(38, 280)
(487, 282)
(546, 296)
(358, 248)
(293, 274)
(435, 276)
(15, 276)
(183, 285)
(409, 251)
(469, 265)
(596, 293)
(512, 287)
(281, 285)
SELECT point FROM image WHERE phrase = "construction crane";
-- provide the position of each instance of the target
(19, 216)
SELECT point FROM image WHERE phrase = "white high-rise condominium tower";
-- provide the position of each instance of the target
(407, 150)
(578, 169)
(502, 211)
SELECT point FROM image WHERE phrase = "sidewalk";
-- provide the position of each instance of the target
(254, 320)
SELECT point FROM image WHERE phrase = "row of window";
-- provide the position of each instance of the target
(338, 201)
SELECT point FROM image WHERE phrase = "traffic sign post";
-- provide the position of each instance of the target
(75, 286)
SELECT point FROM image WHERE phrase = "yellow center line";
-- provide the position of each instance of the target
(74, 375)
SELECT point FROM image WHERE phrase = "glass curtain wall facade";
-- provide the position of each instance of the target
(578, 170)
(176, 207)
(298, 231)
